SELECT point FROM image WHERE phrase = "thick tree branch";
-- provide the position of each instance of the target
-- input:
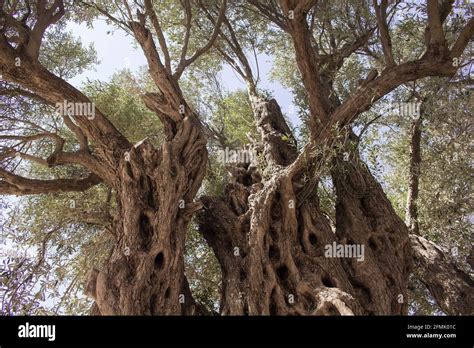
(46, 17)
(463, 39)
(159, 32)
(12, 184)
(267, 113)
(437, 41)
(308, 62)
(54, 90)
(369, 94)
(170, 100)
(58, 156)
(80, 136)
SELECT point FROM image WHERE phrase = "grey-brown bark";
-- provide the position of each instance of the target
(145, 272)
(365, 216)
(414, 177)
(450, 287)
(272, 254)
(279, 145)
(269, 244)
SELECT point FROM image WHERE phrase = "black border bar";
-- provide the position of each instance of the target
(195, 331)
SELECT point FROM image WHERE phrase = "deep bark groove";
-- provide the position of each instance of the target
(364, 216)
(145, 273)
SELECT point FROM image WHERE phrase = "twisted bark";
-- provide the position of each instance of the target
(145, 272)
(364, 216)
(450, 287)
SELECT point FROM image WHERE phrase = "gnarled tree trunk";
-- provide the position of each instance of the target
(156, 188)
(269, 242)
(364, 216)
